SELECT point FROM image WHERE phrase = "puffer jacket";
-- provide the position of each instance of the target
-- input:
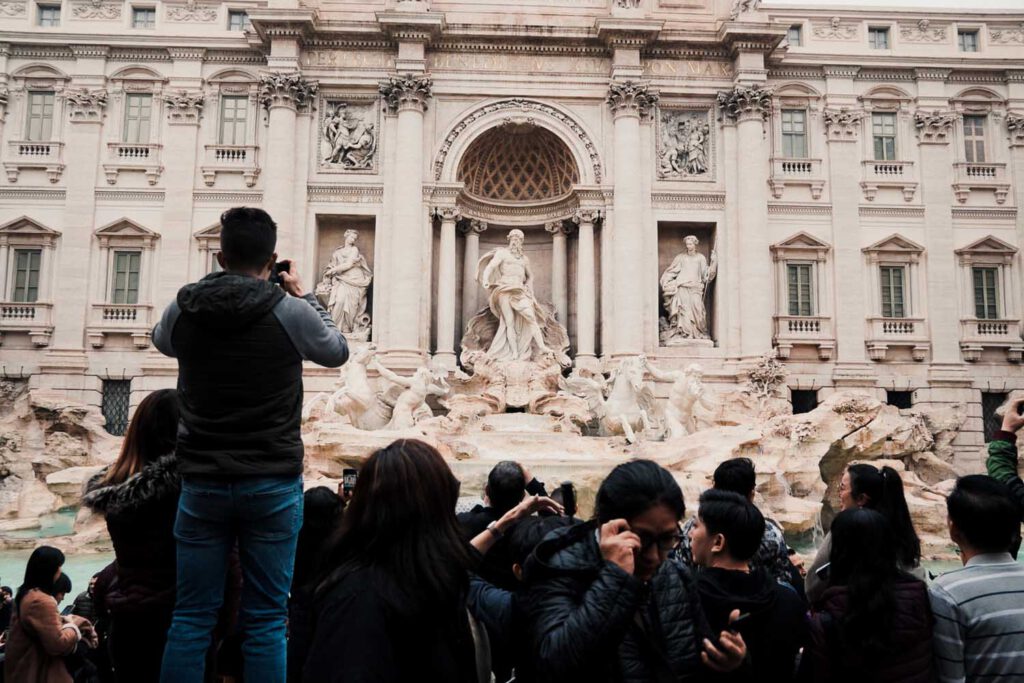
(910, 643)
(589, 620)
(140, 513)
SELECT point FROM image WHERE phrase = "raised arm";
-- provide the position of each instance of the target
(391, 376)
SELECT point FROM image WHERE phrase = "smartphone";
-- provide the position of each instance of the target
(279, 267)
(739, 623)
(568, 498)
(348, 479)
(822, 571)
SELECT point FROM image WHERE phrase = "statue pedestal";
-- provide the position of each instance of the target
(690, 343)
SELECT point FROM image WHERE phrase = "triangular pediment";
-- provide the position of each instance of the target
(210, 232)
(125, 227)
(802, 240)
(896, 243)
(988, 245)
(27, 227)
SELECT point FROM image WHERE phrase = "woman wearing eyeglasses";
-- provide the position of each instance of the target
(603, 604)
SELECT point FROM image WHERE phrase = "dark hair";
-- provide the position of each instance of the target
(43, 563)
(884, 490)
(732, 515)
(61, 585)
(528, 533)
(982, 510)
(7, 589)
(864, 559)
(737, 475)
(634, 487)
(248, 237)
(506, 486)
(321, 515)
(153, 432)
(401, 522)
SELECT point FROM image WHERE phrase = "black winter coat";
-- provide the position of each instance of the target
(591, 621)
(140, 513)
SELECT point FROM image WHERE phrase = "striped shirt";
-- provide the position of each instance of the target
(979, 620)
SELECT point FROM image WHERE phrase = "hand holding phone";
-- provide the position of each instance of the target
(619, 545)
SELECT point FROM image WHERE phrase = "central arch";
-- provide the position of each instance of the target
(518, 163)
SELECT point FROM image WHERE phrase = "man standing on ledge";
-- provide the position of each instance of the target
(240, 341)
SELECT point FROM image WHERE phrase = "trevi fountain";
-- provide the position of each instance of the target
(517, 395)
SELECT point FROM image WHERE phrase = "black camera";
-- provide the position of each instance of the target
(279, 267)
(568, 495)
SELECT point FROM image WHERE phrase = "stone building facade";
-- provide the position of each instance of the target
(853, 177)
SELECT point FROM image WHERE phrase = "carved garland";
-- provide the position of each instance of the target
(521, 105)
(184, 106)
(86, 105)
(843, 123)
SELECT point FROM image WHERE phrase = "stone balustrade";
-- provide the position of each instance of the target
(134, 320)
(34, 318)
(26, 154)
(241, 159)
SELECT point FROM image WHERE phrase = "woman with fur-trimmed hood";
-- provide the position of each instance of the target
(138, 495)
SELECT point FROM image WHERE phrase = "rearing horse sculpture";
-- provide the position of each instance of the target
(627, 409)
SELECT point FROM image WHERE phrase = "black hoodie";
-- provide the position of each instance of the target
(240, 343)
(775, 629)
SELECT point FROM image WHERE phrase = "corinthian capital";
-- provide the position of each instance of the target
(287, 90)
(587, 216)
(1015, 127)
(842, 123)
(630, 98)
(474, 225)
(934, 126)
(745, 102)
(85, 104)
(406, 92)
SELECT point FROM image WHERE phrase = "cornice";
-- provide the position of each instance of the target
(790, 209)
(236, 57)
(139, 54)
(32, 194)
(869, 73)
(697, 52)
(349, 44)
(90, 51)
(975, 213)
(671, 200)
(412, 26)
(363, 194)
(841, 70)
(187, 54)
(235, 198)
(891, 211)
(448, 45)
(130, 195)
(928, 73)
(801, 72)
(41, 52)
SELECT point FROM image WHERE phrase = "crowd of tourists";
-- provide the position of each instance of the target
(226, 570)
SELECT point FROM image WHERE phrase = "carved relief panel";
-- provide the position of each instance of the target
(349, 132)
(685, 144)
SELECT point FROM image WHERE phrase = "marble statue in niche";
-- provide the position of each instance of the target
(685, 145)
(514, 326)
(684, 287)
(350, 137)
(342, 289)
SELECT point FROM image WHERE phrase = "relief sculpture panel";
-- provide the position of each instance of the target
(348, 136)
(685, 144)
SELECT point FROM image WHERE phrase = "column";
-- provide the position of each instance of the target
(586, 288)
(750, 107)
(629, 101)
(407, 315)
(559, 271)
(842, 127)
(1015, 128)
(282, 95)
(470, 287)
(445, 354)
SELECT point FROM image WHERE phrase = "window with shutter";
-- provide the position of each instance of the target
(893, 279)
(125, 287)
(986, 293)
(26, 275)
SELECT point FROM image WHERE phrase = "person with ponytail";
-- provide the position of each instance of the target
(138, 495)
(874, 622)
(866, 486)
(40, 638)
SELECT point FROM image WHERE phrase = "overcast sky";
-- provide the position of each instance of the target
(916, 4)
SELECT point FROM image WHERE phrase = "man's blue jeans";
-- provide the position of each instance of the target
(264, 515)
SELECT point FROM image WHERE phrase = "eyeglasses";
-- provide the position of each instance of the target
(666, 542)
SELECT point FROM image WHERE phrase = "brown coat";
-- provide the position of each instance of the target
(38, 642)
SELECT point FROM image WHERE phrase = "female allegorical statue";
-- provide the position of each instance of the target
(344, 284)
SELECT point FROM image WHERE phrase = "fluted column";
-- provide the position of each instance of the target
(445, 354)
(629, 101)
(750, 107)
(586, 287)
(407, 311)
(559, 271)
(283, 95)
(470, 287)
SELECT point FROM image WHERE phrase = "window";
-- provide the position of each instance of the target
(986, 293)
(39, 126)
(878, 38)
(138, 111)
(26, 275)
(49, 15)
(798, 278)
(974, 139)
(238, 20)
(143, 17)
(803, 400)
(795, 35)
(967, 40)
(794, 133)
(894, 279)
(900, 399)
(991, 422)
(233, 114)
(116, 400)
(125, 287)
(883, 131)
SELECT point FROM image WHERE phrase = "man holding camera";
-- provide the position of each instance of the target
(240, 339)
